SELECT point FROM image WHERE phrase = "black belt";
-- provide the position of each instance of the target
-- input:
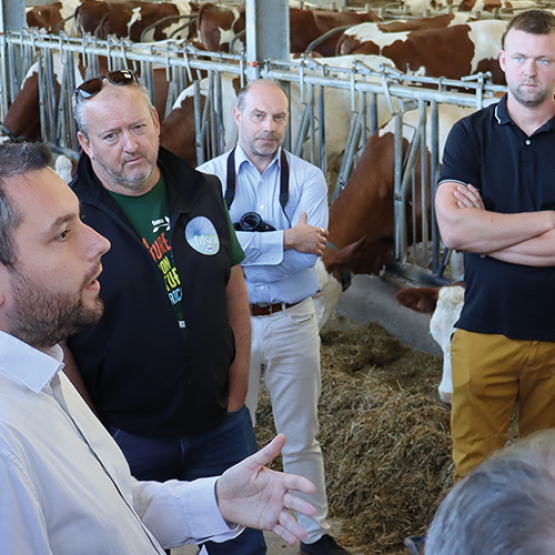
(267, 309)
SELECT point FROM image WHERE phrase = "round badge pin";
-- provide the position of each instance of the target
(202, 236)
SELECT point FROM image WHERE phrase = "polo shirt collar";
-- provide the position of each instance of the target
(28, 366)
(503, 118)
(501, 114)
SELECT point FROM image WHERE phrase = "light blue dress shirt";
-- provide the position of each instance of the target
(273, 274)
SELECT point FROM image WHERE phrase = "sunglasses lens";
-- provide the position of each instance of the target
(89, 88)
(122, 77)
(93, 86)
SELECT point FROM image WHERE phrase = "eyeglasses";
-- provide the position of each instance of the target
(93, 86)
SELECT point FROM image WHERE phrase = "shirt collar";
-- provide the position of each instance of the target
(241, 157)
(28, 366)
(503, 118)
(501, 114)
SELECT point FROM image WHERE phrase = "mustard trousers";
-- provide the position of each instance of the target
(490, 374)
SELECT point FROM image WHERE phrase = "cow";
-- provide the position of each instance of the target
(449, 52)
(445, 305)
(507, 6)
(177, 130)
(130, 18)
(218, 24)
(50, 16)
(361, 226)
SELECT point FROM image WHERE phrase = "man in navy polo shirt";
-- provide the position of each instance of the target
(496, 202)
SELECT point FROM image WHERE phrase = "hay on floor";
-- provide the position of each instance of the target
(384, 433)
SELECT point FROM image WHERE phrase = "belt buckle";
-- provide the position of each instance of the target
(264, 305)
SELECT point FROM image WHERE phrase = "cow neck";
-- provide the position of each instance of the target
(231, 180)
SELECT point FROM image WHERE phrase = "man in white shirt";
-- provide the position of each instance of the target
(279, 206)
(65, 486)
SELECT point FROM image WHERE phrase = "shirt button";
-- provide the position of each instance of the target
(528, 142)
(261, 207)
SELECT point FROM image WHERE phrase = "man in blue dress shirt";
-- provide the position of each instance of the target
(279, 206)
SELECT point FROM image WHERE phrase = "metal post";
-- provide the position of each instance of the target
(267, 25)
(12, 18)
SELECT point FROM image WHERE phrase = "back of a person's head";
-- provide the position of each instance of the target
(506, 506)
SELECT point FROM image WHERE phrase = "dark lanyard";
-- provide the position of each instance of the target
(232, 177)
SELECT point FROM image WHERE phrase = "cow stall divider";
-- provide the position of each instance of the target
(365, 95)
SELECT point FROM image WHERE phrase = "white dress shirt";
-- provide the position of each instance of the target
(65, 487)
(273, 274)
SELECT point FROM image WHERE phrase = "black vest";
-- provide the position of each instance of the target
(133, 361)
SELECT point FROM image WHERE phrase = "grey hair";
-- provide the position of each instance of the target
(504, 506)
(241, 98)
(78, 104)
(535, 22)
(16, 159)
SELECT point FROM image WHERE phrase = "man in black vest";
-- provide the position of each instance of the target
(166, 368)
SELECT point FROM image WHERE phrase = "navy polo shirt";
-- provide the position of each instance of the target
(514, 173)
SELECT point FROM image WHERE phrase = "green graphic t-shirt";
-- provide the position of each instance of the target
(149, 216)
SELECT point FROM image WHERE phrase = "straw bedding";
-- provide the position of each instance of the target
(384, 434)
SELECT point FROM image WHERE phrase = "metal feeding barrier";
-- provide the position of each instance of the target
(370, 93)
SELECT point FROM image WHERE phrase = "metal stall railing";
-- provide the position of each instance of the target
(372, 96)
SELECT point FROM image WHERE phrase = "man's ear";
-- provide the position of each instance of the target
(502, 60)
(237, 116)
(84, 142)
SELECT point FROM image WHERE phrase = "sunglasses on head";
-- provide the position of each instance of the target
(93, 86)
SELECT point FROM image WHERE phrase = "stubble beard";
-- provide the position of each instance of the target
(42, 319)
(529, 100)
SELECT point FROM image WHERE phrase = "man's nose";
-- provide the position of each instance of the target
(99, 245)
(129, 141)
(530, 67)
(269, 124)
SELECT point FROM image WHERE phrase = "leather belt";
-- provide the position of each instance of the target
(267, 309)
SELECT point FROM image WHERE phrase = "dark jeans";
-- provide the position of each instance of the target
(197, 456)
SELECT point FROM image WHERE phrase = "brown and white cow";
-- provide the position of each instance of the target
(219, 24)
(361, 218)
(50, 16)
(416, 7)
(129, 18)
(449, 52)
(445, 305)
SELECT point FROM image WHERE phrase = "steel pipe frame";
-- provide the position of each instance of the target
(123, 53)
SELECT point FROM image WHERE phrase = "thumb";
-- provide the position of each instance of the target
(270, 452)
(302, 219)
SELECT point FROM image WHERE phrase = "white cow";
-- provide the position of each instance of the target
(445, 304)
(442, 327)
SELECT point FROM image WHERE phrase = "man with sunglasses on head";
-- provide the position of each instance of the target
(279, 203)
(166, 368)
